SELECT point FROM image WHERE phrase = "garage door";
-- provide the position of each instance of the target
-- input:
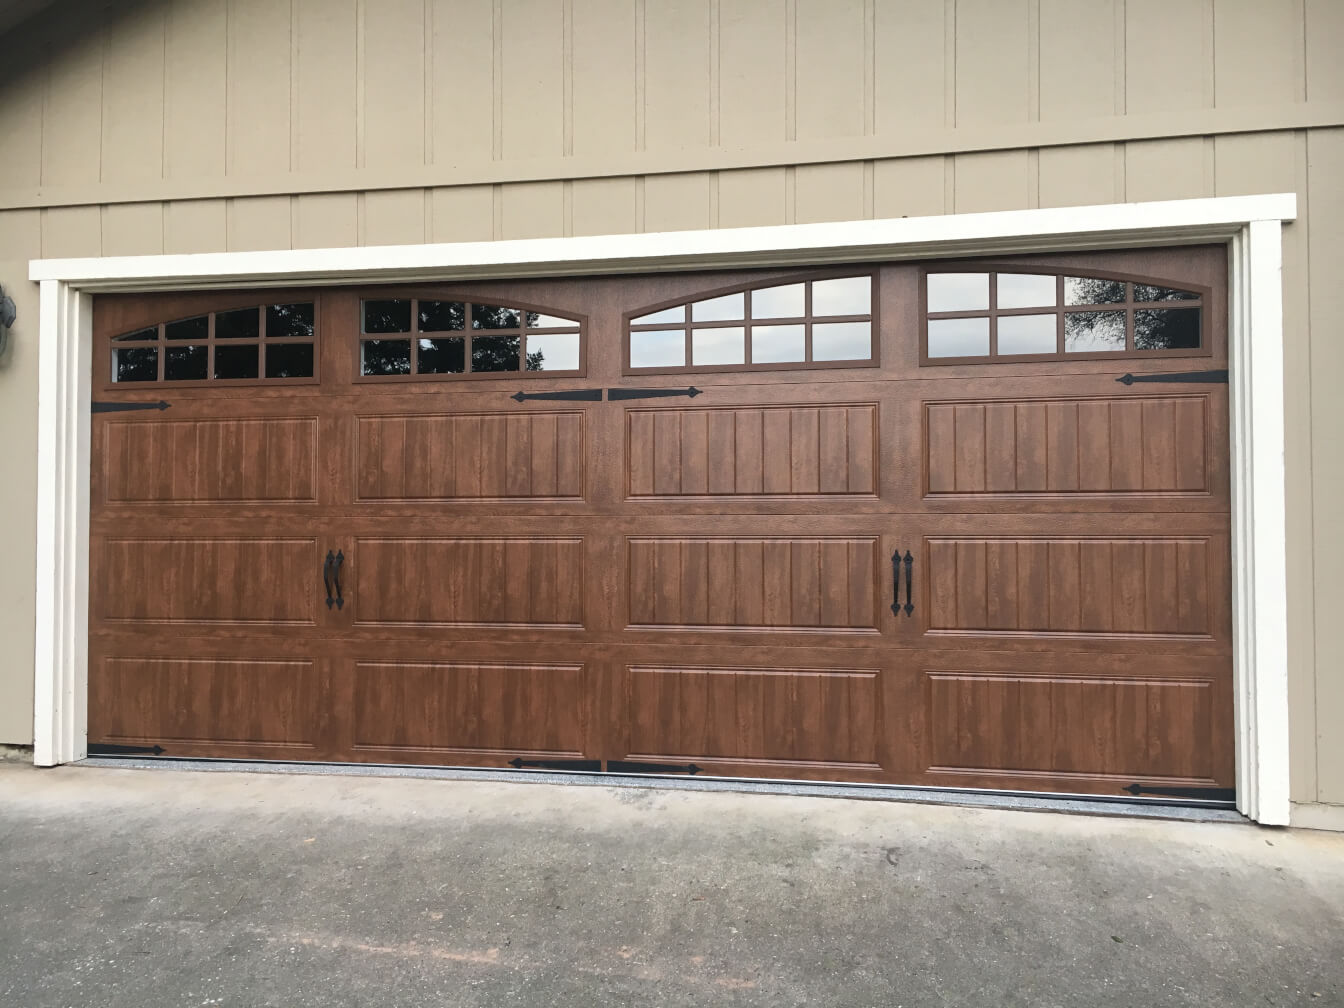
(959, 524)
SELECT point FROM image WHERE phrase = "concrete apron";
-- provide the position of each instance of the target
(126, 887)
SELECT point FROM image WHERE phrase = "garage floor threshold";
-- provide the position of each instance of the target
(1023, 801)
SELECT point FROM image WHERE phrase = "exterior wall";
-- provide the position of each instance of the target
(205, 125)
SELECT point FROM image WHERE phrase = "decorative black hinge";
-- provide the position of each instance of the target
(651, 393)
(125, 407)
(104, 749)
(1194, 793)
(626, 766)
(1188, 377)
(590, 765)
(568, 395)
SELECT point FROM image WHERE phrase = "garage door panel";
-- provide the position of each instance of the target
(470, 711)
(254, 706)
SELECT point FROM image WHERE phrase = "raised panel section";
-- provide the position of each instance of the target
(533, 582)
(470, 708)
(262, 460)
(1103, 445)
(1152, 586)
(780, 715)
(1063, 725)
(746, 451)
(263, 582)
(213, 701)
(754, 584)
(470, 456)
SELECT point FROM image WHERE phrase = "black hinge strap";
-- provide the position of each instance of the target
(105, 749)
(651, 393)
(1188, 377)
(627, 766)
(1196, 793)
(568, 395)
(591, 765)
(125, 407)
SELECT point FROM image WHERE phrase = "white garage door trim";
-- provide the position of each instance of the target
(1251, 225)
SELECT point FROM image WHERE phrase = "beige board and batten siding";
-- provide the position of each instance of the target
(207, 125)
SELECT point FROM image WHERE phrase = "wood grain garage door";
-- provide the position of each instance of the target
(679, 523)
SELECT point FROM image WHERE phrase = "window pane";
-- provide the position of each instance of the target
(484, 316)
(677, 314)
(152, 333)
(1093, 331)
(287, 360)
(185, 363)
(778, 302)
(244, 324)
(135, 364)
(718, 346)
(495, 353)
(386, 317)
(728, 308)
(842, 341)
(442, 316)
(535, 321)
(958, 292)
(552, 351)
(1026, 290)
(847, 296)
(968, 337)
(385, 357)
(1090, 290)
(1024, 334)
(240, 361)
(658, 348)
(442, 356)
(188, 329)
(1160, 329)
(1143, 292)
(296, 320)
(775, 344)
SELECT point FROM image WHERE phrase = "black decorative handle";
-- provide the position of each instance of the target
(896, 583)
(336, 576)
(327, 564)
(909, 583)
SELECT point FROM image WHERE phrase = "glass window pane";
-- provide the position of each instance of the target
(728, 308)
(287, 360)
(846, 296)
(658, 348)
(152, 333)
(186, 363)
(535, 321)
(495, 353)
(958, 292)
(385, 357)
(135, 364)
(188, 329)
(719, 346)
(442, 316)
(1090, 290)
(242, 324)
(677, 314)
(775, 344)
(485, 316)
(290, 320)
(1161, 329)
(963, 337)
(1024, 334)
(1026, 290)
(386, 317)
(778, 302)
(240, 361)
(552, 351)
(442, 356)
(1092, 331)
(842, 341)
(1143, 292)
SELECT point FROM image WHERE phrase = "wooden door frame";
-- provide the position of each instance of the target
(1251, 226)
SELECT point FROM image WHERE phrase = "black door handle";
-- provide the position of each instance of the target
(896, 561)
(336, 576)
(327, 565)
(909, 585)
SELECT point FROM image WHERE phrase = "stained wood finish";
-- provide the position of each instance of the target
(678, 580)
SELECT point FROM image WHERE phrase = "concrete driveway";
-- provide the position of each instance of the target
(170, 888)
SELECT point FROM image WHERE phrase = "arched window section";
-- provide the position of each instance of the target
(262, 343)
(977, 315)
(823, 322)
(422, 338)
